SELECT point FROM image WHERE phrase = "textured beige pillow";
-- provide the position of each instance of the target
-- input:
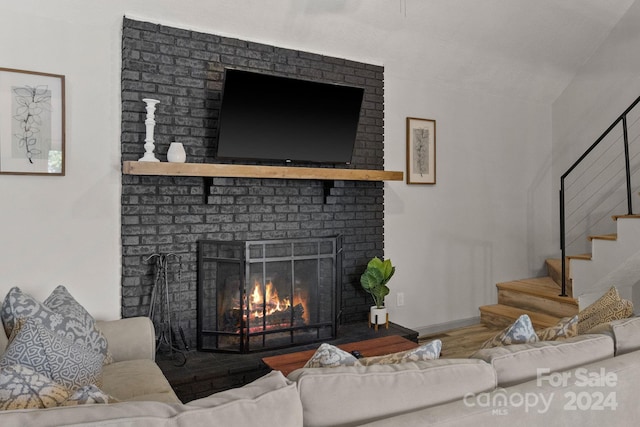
(567, 327)
(23, 388)
(607, 308)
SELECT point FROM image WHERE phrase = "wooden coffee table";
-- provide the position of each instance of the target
(287, 363)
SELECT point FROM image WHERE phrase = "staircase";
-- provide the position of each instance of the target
(595, 186)
(538, 297)
(616, 263)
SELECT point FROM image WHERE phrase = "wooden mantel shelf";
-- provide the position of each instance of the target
(250, 171)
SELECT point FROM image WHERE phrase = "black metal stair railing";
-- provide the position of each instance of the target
(598, 183)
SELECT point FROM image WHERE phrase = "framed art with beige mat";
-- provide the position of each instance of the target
(421, 151)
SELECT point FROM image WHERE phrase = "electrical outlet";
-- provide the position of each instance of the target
(400, 299)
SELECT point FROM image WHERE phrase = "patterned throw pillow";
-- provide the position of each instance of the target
(23, 388)
(607, 308)
(89, 394)
(428, 351)
(67, 363)
(329, 356)
(60, 313)
(567, 327)
(520, 332)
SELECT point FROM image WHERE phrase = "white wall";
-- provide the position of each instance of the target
(603, 88)
(487, 219)
(65, 230)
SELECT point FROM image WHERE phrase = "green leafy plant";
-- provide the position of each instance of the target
(374, 279)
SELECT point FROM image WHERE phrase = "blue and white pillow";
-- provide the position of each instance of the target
(520, 332)
(330, 356)
(89, 394)
(428, 351)
(47, 353)
(60, 313)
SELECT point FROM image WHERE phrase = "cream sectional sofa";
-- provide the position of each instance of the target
(146, 398)
(602, 392)
(133, 375)
(587, 380)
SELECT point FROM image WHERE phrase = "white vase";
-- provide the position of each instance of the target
(176, 153)
(378, 316)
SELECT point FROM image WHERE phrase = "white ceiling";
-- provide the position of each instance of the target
(523, 48)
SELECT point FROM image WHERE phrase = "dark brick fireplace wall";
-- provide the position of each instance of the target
(164, 214)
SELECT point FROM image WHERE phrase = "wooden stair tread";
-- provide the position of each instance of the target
(539, 297)
(556, 264)
(539, 320)
(586, 257)
(615, 217)
(612, 236)
(544, 287)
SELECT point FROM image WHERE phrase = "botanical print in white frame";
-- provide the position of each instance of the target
(32, 123)
(421, 151)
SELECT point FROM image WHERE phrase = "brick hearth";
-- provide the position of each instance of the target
(206, 373)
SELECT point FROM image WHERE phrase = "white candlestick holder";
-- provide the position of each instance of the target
(150, 124)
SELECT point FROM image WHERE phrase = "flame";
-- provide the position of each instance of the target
(301, 298)
(270, 300)
(270, 303)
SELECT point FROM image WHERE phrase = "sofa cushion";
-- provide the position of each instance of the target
(329, 356)
(60, 313)
(520, 332)
(571, 399)
(566, 327)
(428, 351)
(23, 388)
(625, 334)
(518, 363)
(139, 379)
(130, 338)
(608, 307)
(270, 400)
(353, 395)
(69, 364)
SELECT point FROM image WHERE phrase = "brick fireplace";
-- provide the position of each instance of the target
(165, 214)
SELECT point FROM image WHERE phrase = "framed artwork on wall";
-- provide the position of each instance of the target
(32, 123)
(421, 151)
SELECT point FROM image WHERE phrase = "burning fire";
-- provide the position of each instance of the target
(270, 303)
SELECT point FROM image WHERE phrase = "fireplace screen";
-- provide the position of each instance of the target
(259, 295)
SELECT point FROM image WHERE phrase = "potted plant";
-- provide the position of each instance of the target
(374, 281)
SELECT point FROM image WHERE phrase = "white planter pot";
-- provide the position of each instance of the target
(381, 314)
(176, 153)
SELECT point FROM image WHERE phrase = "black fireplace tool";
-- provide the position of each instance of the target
(160, 311)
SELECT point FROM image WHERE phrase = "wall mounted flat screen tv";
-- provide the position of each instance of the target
(267, 117)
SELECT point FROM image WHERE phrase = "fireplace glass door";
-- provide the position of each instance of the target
(258, 295)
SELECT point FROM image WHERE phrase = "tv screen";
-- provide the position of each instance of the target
(267, 117)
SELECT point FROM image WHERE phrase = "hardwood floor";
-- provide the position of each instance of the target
(462, 342)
